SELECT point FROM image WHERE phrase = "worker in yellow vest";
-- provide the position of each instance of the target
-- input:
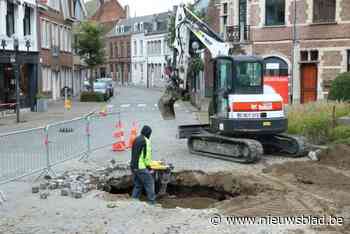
(141, 158)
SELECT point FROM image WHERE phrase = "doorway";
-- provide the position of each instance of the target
(308, 83)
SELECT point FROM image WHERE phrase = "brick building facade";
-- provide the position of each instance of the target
(56, 54)
(307, 41)
(108, 13)
(119, 57)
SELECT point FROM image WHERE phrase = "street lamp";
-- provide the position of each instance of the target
(3, 44)
(16, 70)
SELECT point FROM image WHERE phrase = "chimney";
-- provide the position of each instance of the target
(127, 11)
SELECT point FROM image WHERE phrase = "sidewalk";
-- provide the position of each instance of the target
(56, 112)
(201, 115)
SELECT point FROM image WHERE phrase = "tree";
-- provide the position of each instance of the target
(340, 89)
(89, 45)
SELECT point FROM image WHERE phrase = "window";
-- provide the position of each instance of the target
(69, 40)
(26, 21)
(324, 11)
(249, 75)
(10, 19)
(141, 47)
(54, 4)
(275, 66)
(111, 50)
(135, 48)
(128, 49)
(122, 50)
(62, 35)
(348, 53)
(304, 55)
(49, 34)
(141, 67)
(225, 8)
(275, 12)
(116, 50)
(65, 8)
(314, 55)
(43, 33)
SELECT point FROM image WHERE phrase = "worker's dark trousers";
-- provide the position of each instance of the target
(144, 179)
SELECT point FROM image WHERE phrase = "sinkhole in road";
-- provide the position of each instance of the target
(192, 189)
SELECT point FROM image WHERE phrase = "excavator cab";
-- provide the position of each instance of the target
(241, 104)
(235, 75)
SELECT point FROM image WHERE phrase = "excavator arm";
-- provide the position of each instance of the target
(187, 24)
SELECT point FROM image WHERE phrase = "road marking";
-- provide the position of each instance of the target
(141, 105)
(125, 105)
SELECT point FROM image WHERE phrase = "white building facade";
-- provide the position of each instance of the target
(158, 52)
(18, 26)
(149, 50)
(139, 59)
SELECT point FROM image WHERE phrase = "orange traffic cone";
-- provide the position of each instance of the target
(103, 112)
(133, 135)
(119, 135)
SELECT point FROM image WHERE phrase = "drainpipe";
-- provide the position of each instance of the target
(294, 44)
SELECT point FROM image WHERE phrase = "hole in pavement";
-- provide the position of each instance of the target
(191, 189)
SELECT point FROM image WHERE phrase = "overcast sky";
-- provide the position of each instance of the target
(146, 7)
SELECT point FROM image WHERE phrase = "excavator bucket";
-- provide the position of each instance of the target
(166, 105)
(166, 102)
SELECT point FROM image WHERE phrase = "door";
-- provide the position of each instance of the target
(308, 83)
(222, 87)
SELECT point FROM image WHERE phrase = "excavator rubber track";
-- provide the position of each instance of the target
(226, 148)
(284, 144)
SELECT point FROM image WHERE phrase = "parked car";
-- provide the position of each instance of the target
(109, 83)
(87, 86)
(102, 87)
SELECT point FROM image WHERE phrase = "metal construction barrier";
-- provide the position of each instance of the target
(100, 139)
(22, 153)
(27, 152)
(67, 140)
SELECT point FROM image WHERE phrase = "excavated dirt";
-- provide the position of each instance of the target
(322, 187)
(293, 188)
(338, 156)
(195, 189)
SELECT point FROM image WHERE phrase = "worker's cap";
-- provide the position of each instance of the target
(146, 131)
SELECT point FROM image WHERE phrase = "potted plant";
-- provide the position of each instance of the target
(41, 102)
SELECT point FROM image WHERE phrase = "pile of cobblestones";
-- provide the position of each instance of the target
(79, 182)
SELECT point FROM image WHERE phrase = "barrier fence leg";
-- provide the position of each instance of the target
(2, 198)
(48, 170)
(86, 155)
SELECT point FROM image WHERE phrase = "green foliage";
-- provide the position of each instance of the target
(340, 133)
(89, 43)
(340, 89)
(316, 120)
(92, 97)
(42, 95)
(196, 65)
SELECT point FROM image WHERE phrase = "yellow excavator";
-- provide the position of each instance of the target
(247, 118)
